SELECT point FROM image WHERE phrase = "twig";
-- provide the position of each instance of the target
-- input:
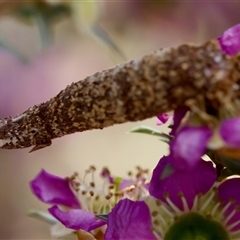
(200, 77)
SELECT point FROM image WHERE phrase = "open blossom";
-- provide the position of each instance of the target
(76, 203)
(183, 204)
(58, 192)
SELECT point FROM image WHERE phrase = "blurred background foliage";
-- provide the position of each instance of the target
(46, 45)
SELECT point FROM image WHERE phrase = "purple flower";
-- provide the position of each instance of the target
(173, 185)
(192, 196)
(183, 202)
(191, 137)
(58, 191)
(75, 203)
(230, 40)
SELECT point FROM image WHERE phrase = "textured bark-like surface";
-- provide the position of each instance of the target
(201, 77)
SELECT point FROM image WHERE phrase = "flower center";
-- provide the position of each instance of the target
(100, 200)
(195, 227)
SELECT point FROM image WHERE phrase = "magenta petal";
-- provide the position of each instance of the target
(129, 220)
(53, 189)
(190, 181)
(227, 191)
(230, 131)
(190, 144)
(230, 189)
(230, 40)
(163, 118)
(77, 219)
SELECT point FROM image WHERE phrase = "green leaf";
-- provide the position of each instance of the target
(165, 140)
(102, 216)
(151, 131)
(44, 216)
